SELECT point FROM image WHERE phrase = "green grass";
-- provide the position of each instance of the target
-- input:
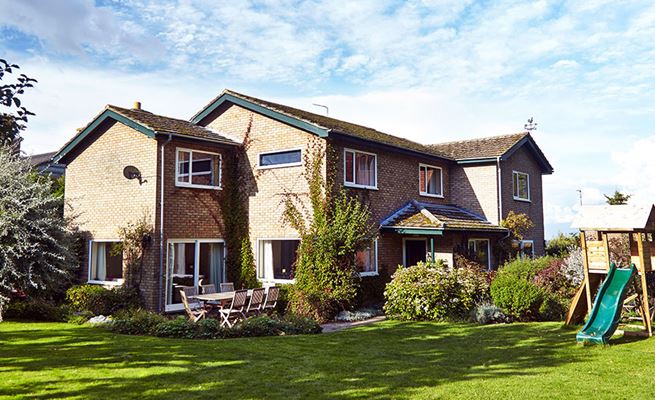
(386, 360)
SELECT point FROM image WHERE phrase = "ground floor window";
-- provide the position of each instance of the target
(192, 260)
(367, 260)
(479, 251)
(526, 249)
(105, 265)
(415, 250)
(276, 259)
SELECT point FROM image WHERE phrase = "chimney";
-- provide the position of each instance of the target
(137, 105)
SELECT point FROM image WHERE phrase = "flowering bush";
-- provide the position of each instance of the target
(573, 268)
(434, 292)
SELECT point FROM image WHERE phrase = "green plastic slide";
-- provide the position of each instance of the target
(606, 313)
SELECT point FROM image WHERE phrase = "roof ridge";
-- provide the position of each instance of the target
(523, 134)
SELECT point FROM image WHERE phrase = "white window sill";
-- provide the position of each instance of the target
(105, 283)
(279, 166)
(356, 186)
(523, 200)
(370, 273)
(436, 196)
(279, 281)
(190, 186)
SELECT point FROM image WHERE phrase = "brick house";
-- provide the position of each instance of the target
(429, 201)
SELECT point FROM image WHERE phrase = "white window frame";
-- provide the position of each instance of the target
(196, 267)
(258, 259)
(420, 189)
(375, 272)
(90, 266)
(191, 185)
(295, 164)
(521, 246)
(488, 249)
(375, 170)
(514, 186)
(417, 239)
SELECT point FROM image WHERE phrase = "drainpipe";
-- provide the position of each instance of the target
(161, 222)
(500, 190)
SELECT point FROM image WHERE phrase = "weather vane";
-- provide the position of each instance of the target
(531, 125)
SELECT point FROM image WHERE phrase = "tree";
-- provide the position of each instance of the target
(12, 122)
(36, 242)
(518, 225)
(331, 233)
(617, 198)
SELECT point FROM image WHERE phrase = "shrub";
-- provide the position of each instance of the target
(357, 315)
(553, 279)
(573, 268)
(180, 327)
(553, 308)
(517, 296)
(562, 244)
(34, 309)
(434, 292)
(486, 313)
(136, 322)
(101, 301)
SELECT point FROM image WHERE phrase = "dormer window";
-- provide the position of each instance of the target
(521, 183)
(360, 169)
(198, 169)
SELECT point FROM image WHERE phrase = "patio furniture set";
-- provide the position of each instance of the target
(231, 305)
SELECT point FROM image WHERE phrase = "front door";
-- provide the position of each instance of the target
(415, 250)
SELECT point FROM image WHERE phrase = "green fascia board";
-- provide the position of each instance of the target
(91, 127)
(295, 122)
(419, 231)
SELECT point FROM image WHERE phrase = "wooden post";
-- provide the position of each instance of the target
(607, 249)
(585, 263)
(644, 287)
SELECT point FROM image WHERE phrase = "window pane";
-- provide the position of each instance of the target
(277, 258)
(204, 169)
(283, 157)
(211, 263)
(479, 250)
(349, 167)
(434, 181)
(365, 169)
(105, 266)
(365, 260)
(521, 186)
(183, 166)
(421, 178)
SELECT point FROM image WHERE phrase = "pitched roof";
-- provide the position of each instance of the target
(147, 123)
(626, 217)
(38, 159)
(417, 215)
(161, 124)
(326, 123)
(492, 146)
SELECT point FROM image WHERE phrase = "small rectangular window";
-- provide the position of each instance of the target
(277, 259)
(198, 169)
(430, 181)
(360, 169)
(526, 249)
(106, 263)
(479, 251)
(521, 184)
(366, 260)
(285, 158)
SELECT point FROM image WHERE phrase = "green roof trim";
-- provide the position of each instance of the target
(227, 97)
(107, 114)
(417, 231)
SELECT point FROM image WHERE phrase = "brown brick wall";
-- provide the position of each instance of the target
(475, 188)
(523, 161)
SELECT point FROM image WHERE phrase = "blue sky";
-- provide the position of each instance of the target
(431, 71)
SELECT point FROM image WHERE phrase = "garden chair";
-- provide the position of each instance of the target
(208, 289)
(190, 291)
(256, 301)
(193, 309)
(234, 312)
(227, 287)
(271, 299)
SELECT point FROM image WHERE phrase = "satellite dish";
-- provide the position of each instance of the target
(132, 172)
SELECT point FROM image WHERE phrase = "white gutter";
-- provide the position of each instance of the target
(161, 223)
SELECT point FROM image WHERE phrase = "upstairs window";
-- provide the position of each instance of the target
(285, 158)
(521, 186)
(360, 169)
(366, 260)
(430, 181)
(198, 169)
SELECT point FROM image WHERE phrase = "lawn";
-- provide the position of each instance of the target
(386, 360)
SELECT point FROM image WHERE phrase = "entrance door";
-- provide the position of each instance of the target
(415, 250)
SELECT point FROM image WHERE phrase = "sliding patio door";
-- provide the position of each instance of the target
(189, 262)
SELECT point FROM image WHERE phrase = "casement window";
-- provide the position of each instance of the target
(279, 159)
(479, 250)
(198, 169)
(430, 180)
(526, 249)
(105, 266)
(360, 169)
(521, 183)
(367, 260)
(276, 259)
(190, 261)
